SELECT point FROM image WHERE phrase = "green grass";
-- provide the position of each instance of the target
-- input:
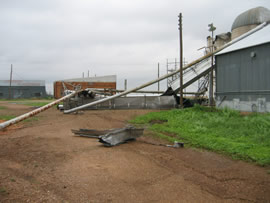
(36, 104)
(224, 131)
(6, 117)
(30, 102)
(2, 190)
(30, 99)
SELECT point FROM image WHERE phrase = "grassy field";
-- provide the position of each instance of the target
(6, 117)
(34, 103)
(224, 131)
(29, 102)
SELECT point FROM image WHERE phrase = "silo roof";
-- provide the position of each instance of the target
(252, 16)
(260, 37)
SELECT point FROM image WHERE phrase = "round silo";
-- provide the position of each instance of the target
(249, 20)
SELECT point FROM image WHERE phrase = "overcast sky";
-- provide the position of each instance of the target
(59, 39)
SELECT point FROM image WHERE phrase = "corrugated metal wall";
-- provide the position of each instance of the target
(22, 92)
(243, 77)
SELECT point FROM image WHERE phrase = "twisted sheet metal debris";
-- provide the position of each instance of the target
(90, 133)
(120, 136)
(112, 137)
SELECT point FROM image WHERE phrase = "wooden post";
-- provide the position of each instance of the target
(212, 75)
(167, 73)
(158, 76)
(212, 28)
(125, 84)
(10, 81)
(181, 60)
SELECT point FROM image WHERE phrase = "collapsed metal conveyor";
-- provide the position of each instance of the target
(32, 113)
(190, 76)
(170, 74)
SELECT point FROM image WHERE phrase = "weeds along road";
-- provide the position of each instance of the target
(41, 161)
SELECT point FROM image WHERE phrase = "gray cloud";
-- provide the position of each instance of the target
(57, 39)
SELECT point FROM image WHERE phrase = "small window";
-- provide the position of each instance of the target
(37, 94)
(1, 94)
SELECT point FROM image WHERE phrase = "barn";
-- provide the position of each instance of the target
(243, 72)
(22, 89)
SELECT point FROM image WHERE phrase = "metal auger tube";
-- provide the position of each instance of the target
(34, 112)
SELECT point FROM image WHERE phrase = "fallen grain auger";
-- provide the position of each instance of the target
(36, 111)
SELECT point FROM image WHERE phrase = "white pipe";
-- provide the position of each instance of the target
(34, 112)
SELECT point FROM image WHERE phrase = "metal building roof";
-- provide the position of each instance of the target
(260, 37)
(107, 78)
(252, 16)
(22, 83)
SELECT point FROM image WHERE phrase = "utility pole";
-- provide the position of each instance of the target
(88, 74)
(181, 59)
(10, 81)
(167, 65)
(82, 74)
(125, 84)
(158, 76)
(212, 28)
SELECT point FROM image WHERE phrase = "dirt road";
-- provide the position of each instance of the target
(43, 162)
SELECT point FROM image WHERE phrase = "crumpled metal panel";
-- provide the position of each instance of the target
(119, 136)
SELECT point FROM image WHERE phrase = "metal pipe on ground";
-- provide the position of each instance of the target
(167, 75)
(34, 112)
(98, 91)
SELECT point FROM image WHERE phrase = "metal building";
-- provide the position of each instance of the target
(22, 89)
(243, 74)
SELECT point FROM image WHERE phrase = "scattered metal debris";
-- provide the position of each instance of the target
(120, 136)
(90, 132)
(111, 137)
(176, 144)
